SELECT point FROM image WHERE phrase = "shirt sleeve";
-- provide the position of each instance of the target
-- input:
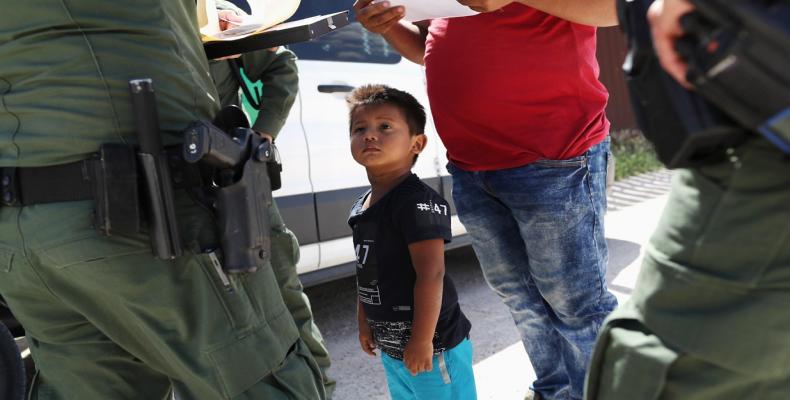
(278, 73)
(424, 216)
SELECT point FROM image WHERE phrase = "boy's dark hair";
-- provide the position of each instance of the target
(382, 94)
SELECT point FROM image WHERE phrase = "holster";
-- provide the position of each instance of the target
(240, 185)
(242, 209)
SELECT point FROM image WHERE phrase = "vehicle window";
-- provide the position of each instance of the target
(352, 43)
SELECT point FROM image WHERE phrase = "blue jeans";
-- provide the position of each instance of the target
(451, 378)
(538, 233)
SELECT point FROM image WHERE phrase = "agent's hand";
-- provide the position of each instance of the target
(366, 339)
(378, 17)
(485, 5)
(664, 18)
(228, 19)
(418, 356)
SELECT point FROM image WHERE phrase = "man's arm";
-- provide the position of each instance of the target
(587, 12)
(278, 72)
(664, 18)
(407, 38)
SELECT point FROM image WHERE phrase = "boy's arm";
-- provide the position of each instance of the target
(428, 259)
(407, 38)
(365, 336)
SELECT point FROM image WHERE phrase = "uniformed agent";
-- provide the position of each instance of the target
(276, 70)
(707, 319)
(104, 318)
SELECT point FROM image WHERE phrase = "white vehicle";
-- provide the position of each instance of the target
(320, 179)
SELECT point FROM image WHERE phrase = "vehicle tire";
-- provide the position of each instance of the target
(12, 371)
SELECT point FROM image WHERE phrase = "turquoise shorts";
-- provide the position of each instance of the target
(451, 378)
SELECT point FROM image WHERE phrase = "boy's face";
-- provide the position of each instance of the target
(381, 140)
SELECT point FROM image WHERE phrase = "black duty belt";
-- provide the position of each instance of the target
(76, 181)
(52, 184)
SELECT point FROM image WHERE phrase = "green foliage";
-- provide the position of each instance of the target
(633, 154)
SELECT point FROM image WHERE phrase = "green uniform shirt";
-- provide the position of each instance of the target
(65, 67)
(276, 70)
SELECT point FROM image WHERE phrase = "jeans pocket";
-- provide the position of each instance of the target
(574, 162)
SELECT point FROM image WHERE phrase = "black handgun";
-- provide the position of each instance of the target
(738, 53)
(736, 50)
(684, 128)
(207, 142)
(165, 240)
(241, 188)
(203, 141)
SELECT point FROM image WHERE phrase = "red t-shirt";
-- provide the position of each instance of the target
(514, 86)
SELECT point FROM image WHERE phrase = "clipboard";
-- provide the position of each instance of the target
(279, 35)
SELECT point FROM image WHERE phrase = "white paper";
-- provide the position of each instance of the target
(265, 14)
(418, 10)
(208, 21)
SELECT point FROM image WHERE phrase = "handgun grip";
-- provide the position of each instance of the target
(205, 142)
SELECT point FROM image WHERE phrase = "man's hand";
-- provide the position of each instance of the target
(664, 17)
(378, 17)
(485, 5)
(418, 356)
(228, 19)
(366, 339)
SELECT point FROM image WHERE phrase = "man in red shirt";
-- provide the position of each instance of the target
(515, 97)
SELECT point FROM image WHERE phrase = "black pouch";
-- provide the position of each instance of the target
(114, 173)
(271, 156)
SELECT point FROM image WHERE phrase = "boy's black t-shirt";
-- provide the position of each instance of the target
(410, 212)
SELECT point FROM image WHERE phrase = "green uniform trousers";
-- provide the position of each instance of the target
(285, 256)
(106, 320)
(708, 317)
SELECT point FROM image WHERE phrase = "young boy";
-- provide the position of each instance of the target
(407, 307)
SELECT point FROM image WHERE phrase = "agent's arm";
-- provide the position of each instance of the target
(587, 12)
(664, 18)
(407, 38)
(276, 69)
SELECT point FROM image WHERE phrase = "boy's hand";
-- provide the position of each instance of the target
(378, 17)
(366, 339)
(418, 356)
